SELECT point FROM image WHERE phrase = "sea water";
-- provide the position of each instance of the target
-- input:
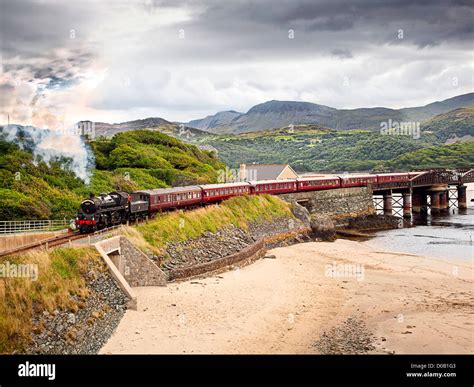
(448, 235)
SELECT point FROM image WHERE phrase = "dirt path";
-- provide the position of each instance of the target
(411, 304)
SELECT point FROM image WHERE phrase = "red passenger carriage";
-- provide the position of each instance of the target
(168, 198)
(318, 183)
(357, 180)
(392, 177)
(274, 186)
(212, 193)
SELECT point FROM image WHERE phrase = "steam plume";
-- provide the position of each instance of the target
(49, 145)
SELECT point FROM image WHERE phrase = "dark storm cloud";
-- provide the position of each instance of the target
(243, 30)
(427, 21)
(30, 28)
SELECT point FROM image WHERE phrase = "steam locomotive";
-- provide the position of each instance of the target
(117, 208)
(103, 211)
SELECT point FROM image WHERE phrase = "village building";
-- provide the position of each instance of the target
(252, 172)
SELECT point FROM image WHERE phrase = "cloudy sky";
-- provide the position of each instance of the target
(64, 61)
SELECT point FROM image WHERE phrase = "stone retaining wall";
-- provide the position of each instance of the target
(242, 258)
(138, 269)
(338, 204)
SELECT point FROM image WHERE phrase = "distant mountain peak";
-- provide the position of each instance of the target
(284, 106)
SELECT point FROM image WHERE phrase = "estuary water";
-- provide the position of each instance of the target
(445, 236)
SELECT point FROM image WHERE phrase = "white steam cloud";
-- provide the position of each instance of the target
(49, 145)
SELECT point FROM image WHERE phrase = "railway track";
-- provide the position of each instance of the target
(45, 243)
(56, 241)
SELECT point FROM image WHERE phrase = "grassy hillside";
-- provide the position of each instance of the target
(31, 189)
(35, 190)
(315, 148)
(448, 156)
(453, 124)
(145, 159)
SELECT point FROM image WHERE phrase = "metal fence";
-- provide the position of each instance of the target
(20, 226)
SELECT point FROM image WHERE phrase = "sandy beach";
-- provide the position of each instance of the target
(407, 304)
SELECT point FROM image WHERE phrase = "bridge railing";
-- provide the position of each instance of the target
(22, 226)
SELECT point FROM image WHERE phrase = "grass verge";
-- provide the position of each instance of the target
(60, 276)
(180, 226)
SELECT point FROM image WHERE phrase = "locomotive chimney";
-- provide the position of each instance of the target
(243, 172)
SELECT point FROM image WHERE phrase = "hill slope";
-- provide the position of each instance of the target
(221, 119)
(455, 125)
(449, 156)
(108, 130)
(316, 148)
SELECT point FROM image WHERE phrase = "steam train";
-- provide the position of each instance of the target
(117, 208)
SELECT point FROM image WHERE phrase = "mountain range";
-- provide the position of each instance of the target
(277, 114)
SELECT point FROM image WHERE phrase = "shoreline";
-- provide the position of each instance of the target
(407, 304)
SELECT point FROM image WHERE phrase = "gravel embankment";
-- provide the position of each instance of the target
(88, 329)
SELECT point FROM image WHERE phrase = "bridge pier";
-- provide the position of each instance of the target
(462, 197)
(387, 203)
(435, 202)
(439, 199)
(443, 201)
(406, 204)
(419, 201)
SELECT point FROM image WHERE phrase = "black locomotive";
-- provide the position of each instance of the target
(103, 211)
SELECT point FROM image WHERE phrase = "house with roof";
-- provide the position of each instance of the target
(252, 172)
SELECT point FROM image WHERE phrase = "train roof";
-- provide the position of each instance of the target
(317, 178)
(224, 185)
(359, 175)
(392, 174)
(274, 181)
(161, 191)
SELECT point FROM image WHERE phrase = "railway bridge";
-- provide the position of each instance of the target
(437, 189)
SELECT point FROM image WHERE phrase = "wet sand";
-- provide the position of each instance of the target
(401, 303)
